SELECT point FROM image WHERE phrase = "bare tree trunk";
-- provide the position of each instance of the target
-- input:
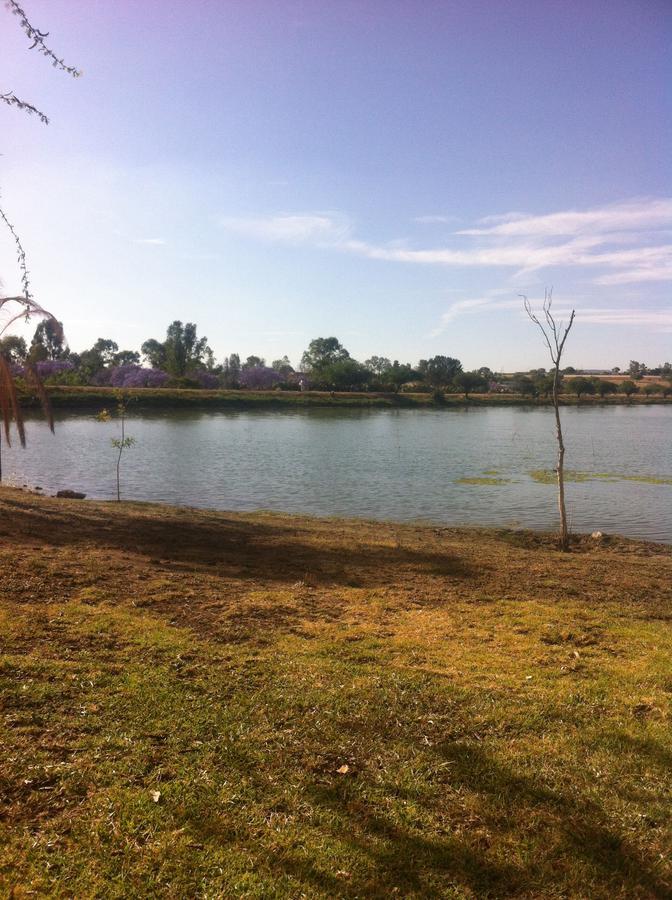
(555, 336)
(121, 450)
(560, 471)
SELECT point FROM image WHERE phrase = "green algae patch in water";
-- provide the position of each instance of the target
(549, 476)
(647, 479)
(482, 480)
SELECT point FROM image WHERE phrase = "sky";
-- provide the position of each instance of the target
(392, 173)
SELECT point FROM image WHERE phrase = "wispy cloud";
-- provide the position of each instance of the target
(435, 220)
(495, 301)
(318, 228)
(492, 300)
(635, 215)
(630, 317)
(629, 241)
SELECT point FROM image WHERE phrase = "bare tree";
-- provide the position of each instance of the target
(555, 335)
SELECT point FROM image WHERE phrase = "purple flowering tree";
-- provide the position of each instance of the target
(259, 378)
(132, 377)
(206, 379)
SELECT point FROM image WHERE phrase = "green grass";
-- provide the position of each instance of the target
(182, 692)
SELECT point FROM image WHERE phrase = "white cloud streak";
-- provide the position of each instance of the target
(629, 241)
(633, 215)
(435, 220)
(494, 302)
(315, 228)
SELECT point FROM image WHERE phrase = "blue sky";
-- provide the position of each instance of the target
(392, 173)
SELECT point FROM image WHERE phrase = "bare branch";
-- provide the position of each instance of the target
(37, 37)
(21, 258)
(12, 100)
(528, 310)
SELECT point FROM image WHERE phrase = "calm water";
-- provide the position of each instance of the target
(399, 464)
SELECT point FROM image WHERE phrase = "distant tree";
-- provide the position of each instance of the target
(13, 348)
(184, 350)
(107, 349)
(48, 341)
(543, 384)
(154, 352)
(180, 353)
(615, 370)
(90, 363)
(231, 371)
(580, 386)
(555, 337)
(605, 387)
(523, 384)
(651, 389)
(569, 370)
(253, 362)
(439, 371)
(283, 366)
(398, 373)
(470, 382)
(323, 352)
(628, 388)
(636, 370)
(342, 374)
(485, 372)
(378, 364)
(126, 358)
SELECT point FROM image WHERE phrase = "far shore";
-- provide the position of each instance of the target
(76, 398)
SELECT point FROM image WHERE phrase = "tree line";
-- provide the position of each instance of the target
(183, 359)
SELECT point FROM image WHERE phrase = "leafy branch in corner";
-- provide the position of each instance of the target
(38, 37)
(12, 100)
(24, 305)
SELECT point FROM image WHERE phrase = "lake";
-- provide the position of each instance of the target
(458, 466)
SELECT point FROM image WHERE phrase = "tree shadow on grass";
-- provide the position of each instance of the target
(581, 848)
(231, 547)
(579, 827)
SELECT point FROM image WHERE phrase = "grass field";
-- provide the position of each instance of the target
(201, 704)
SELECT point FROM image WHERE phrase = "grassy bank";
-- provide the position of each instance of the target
(87, 398)
(201, 704)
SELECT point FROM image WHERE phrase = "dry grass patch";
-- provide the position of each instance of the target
(207, 704)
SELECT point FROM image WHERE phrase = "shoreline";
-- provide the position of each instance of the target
(85, 398)
(526, 536)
